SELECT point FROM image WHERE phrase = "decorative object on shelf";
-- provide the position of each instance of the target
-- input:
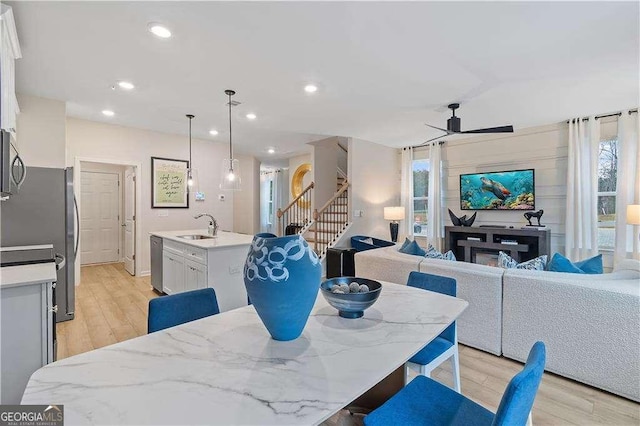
(394, 214)
(537, 215)
(297, 184)
(282, 277)
(191, 173)
(199, 196)
(462, 220)
(230, 178)
(351, 296)
(168, 183)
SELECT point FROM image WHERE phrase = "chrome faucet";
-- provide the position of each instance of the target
(212, 230)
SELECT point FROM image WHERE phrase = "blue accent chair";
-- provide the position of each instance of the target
(176, 309)
(445, 346)
(427, 402)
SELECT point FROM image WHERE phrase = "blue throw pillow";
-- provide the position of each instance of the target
(593, 265)
(559, 263)
(432, 253)
(507, 262)
(412, 248)
(405, 244)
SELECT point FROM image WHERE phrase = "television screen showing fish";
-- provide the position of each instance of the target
(510, 190)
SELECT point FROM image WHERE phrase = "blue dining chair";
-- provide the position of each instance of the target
(443, 347)
(425, 401)
(176, 309)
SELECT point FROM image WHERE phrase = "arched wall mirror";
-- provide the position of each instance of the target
(297, 184)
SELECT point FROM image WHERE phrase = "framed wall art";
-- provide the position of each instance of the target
(169, 183)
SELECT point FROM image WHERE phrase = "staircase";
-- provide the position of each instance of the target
(330, 221)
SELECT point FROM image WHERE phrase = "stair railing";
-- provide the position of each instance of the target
(298, 212)
(331, 220)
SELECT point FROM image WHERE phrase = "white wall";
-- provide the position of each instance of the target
(41, 131)
(324, 169)
(92, 140)
(88, 166)
(246, 202)
(374, 174)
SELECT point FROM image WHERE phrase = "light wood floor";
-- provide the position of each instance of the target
(111, 306)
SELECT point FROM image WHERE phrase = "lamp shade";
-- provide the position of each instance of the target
(394, 213)
(633, 214)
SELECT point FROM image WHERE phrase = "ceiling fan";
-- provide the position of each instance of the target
(453, 126)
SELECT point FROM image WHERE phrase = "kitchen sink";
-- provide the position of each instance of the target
(195, 237)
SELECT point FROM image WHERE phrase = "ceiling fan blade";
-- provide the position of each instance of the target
(437, 128)
(501, 129)
(433, 139)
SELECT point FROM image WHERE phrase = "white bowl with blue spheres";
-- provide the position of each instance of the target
(350, 295)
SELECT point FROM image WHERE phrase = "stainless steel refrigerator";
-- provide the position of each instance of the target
(43, 211)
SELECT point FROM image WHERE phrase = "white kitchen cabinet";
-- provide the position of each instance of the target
(173, 276)
(188, 267)
(27, 326)
(195, 275)
(9, 52)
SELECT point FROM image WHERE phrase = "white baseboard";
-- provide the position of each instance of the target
(144, 273)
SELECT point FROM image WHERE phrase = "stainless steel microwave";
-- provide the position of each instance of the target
(12, 168)
(5, 163)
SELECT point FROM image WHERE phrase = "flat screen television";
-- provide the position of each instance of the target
(509, 190)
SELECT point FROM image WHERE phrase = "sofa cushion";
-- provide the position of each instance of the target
(404, 245)
(432, 253)
(507, 262)
(412, 248)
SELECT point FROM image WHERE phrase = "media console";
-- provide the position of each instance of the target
(521, 244)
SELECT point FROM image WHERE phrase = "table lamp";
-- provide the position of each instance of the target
(394, 214)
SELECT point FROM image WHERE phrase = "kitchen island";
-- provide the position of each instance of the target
(189, 260)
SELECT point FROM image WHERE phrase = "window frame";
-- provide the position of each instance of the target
(614, 194)
(423, 232)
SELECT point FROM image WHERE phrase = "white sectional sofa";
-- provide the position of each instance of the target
(590, 323)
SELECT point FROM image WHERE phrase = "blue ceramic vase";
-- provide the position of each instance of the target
(282, 278)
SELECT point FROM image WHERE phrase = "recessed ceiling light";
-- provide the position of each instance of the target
(251, 116)
(126, 85)
(108, 112)
(271, 151)
(213, 132)
(311, 88)
(159, 30)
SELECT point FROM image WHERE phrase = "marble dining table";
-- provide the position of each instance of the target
(227, 370)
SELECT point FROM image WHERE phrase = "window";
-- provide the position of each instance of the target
(607, 177)
(272, 219)
(420, 196)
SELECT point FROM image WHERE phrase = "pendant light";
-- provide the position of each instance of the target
(191, 173)
(230, 172)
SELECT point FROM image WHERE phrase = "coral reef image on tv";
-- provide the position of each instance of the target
(510, 190)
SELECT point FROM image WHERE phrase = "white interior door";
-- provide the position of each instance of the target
(99, 221)
(130, 220)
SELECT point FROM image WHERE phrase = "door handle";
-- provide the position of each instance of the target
(54, 309)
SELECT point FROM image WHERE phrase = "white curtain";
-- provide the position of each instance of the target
(581, 222)
(406, 191)
(265, 179)
(628, 185)
(435, 225)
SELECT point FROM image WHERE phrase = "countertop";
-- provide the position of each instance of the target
(224, 239)
(225, 369)
(14, 276)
